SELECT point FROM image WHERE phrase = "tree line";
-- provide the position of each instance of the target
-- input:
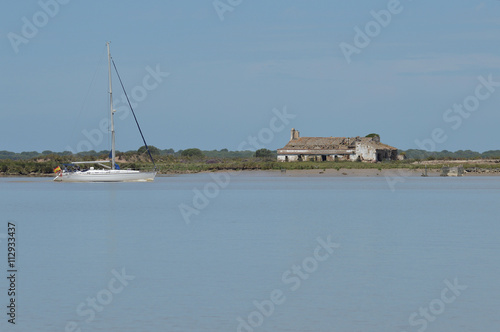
(225, 153)
(192, 152)
(449, 155)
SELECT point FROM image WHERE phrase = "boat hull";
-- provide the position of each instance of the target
(105, 176)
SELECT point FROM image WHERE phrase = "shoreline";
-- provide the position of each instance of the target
(329, 172)
(370, 172)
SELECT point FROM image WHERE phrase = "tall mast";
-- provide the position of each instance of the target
(111, 111)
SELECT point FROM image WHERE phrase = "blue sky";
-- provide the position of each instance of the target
(225, 77)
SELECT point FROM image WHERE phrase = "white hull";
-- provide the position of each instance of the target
(114, 175)
(111, 173)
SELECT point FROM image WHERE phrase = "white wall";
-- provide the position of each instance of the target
(366, 152)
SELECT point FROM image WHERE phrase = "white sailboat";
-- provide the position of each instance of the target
(111, 173)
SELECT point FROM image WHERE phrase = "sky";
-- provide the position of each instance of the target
(239, 74)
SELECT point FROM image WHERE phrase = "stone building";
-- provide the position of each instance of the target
(336, 148)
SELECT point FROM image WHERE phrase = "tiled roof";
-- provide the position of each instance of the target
(338, 143)
(379, 145)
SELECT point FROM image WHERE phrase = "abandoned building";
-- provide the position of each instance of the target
(368, 149)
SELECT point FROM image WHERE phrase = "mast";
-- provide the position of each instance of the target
(111, 111)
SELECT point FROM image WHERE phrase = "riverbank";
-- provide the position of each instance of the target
(370, 172)
(339, 168)
(397, 172)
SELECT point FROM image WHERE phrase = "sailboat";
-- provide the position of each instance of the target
(112, 173)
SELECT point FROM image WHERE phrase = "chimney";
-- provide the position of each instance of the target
(294, 134)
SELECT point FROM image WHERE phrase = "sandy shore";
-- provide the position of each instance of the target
(357, 173)
(317, 172)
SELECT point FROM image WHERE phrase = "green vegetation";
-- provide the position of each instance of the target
(153, 149)
(448, 155)
(195, 160)
(264, 153)
(17, 167)
(192, 153)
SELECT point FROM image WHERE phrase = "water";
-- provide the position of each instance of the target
(398, 253)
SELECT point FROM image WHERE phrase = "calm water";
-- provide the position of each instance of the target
(255, 241)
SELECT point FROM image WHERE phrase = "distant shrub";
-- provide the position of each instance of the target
(263, 153)
(193, 152)
(153, 149)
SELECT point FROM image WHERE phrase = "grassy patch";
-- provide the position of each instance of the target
(179, 165)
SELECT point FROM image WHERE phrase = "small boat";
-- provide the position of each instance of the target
(112, 172)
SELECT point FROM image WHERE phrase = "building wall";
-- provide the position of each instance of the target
(384, 154)
(366, 152)
(285, 158)
(316, 157)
